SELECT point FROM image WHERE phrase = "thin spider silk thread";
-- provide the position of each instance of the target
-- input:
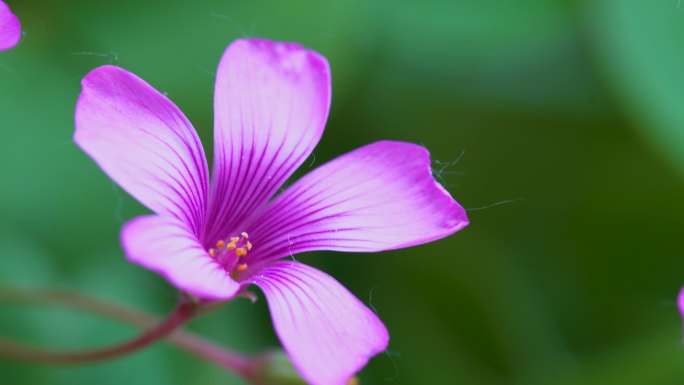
(500, 203)
(390, 354)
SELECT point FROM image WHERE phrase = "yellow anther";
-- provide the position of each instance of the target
(231, 246)
(234, 239)
(244, 235)
(353, 381)
(220, 244)
(240, 252)
(249, 245)
(241, 267)
(212, 252)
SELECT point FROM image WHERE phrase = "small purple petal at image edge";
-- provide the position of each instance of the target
(680, 305)
(212, 238)
(10, 28)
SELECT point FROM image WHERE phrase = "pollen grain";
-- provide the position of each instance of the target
(240, 268)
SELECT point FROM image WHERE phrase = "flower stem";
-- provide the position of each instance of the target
(179, 316)
(190, 342)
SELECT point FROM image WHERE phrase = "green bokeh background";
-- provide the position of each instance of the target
(571, 110)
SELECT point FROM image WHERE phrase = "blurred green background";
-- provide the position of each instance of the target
(572, 109)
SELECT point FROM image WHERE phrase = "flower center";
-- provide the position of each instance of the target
(231, 253)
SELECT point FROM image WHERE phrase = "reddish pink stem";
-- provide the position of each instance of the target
(185, 311)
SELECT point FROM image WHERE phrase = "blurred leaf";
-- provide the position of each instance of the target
(640, 44)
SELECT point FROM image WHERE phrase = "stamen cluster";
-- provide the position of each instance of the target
(231, 253)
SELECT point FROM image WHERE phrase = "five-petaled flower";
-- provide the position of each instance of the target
(212, 239)
(10, 28)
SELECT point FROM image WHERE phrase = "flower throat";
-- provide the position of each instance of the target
(230, 253)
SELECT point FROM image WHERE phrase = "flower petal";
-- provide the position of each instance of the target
(327, 332)
(143, 142)
(271, 104)
(378, 197)
(168, 247)
(10, 28)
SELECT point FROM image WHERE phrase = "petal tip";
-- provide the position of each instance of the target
(91, 84)
(292, 58)
(10, 28)
(455, 217)
(680, 301)
(102, 74)
(382, 337)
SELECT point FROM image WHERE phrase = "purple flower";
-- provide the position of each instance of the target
(10, 29)
(213, 239)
